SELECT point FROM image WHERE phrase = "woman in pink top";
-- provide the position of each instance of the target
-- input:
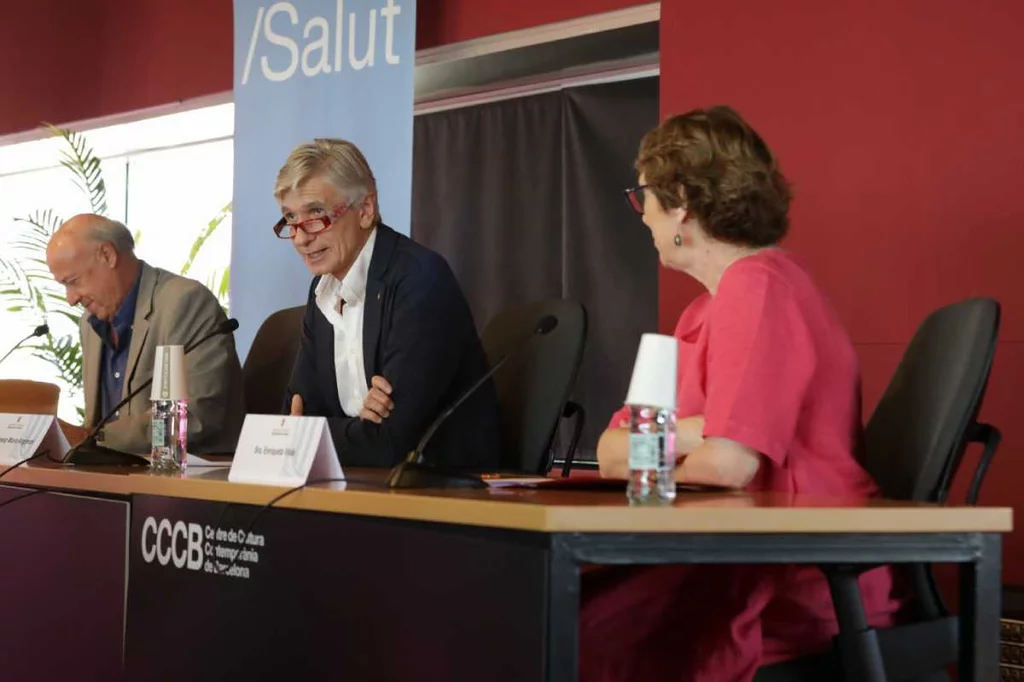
(768, 400)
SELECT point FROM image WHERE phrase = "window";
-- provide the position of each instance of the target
(166, 177)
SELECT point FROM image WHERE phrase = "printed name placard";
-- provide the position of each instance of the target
(25, 435)
(285, 451)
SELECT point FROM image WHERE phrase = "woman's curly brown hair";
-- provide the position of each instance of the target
(712, 162)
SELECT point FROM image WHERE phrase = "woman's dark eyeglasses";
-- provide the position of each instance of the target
(635, 197)
(286, 230)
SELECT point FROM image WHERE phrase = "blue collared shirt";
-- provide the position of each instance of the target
(114, 359)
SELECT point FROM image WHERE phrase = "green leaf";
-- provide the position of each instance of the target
(197, 245)
(45, 223)
(225, 283)
(74, 317)
(85, 166)
(65, 354)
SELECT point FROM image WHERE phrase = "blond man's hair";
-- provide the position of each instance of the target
(338, 161)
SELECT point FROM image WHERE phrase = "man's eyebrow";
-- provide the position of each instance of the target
(305, 207)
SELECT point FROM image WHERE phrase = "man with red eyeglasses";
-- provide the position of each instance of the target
(388, 340)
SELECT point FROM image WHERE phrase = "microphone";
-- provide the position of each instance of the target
(414, 472)
(41, 330)
(90, 453)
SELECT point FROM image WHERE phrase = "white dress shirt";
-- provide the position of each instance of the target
(348, 327)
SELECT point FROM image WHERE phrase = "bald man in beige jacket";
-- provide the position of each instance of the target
(133, 308)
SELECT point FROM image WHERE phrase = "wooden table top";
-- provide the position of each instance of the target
(539, 510)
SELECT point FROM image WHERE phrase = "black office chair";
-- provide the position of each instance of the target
(914, 444)
(534, 385)
(268, 366)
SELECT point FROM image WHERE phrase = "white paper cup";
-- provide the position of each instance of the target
(654, 373)
(170, 381)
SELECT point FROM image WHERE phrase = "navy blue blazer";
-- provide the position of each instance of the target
(418, 333)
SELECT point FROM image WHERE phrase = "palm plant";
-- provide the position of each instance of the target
(25, 280)
(28, 288)
(218, 281)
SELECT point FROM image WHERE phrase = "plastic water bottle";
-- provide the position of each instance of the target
(652, 455)
(170, 430)
(169, 400)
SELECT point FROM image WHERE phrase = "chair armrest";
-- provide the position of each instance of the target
(990, 437)
(573, 409)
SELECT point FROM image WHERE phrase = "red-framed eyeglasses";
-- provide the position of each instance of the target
(286, 230)
(635, 197)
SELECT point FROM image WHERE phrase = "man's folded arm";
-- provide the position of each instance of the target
(421, 357)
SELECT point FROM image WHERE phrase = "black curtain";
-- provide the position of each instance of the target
(524, 199)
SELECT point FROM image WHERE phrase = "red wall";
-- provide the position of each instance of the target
(441, 22)
(899, 122)
(64, 61)
(902, 126)
(163, 51)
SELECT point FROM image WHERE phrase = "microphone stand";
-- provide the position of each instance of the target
(91, 453)
(41, 330)
(414, 472)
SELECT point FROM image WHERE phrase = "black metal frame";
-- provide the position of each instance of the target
(572, 409)
(908, 651)
(979, 556)
(989, 437)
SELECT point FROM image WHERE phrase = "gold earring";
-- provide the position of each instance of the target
(678, 239)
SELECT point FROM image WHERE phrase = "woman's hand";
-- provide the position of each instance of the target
(720, 462)
(613, 448)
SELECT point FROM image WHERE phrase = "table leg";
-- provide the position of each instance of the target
(980, 593)
(563, 615)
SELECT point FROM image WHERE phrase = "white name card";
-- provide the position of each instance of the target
(285, 451)
(25, 435)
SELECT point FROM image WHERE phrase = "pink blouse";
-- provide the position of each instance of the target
(768, 364)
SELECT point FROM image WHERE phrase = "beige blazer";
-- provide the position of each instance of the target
(171, 310)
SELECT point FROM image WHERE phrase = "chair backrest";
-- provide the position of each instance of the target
(268, 366)
(535, 383)
(917, 434)
(20, 396)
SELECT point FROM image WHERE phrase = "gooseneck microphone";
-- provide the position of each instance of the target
(414, 472)
(89, 452)
(41, 330)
